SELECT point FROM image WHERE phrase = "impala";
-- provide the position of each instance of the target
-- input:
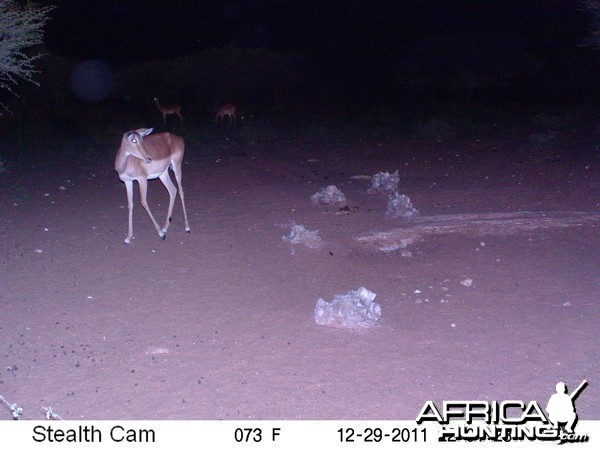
(169, 109)
(144, 157)
(226, 110)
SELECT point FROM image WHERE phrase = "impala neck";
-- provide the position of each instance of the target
(121, 160)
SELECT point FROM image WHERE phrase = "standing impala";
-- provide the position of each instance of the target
(169, 109)
(141, 158)
(226, 110)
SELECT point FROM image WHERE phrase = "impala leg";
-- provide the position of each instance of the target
(166, 181)
(129, 187)
(178, 176)
(143, 182)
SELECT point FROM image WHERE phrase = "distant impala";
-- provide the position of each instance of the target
(169, 109)
(226, 110)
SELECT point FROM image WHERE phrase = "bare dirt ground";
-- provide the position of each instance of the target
(218, 324)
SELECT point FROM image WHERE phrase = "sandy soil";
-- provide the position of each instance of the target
(218, 324)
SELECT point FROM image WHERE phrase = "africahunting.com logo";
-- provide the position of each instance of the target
(510, 420)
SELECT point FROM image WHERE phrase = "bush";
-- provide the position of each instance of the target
(21, 30)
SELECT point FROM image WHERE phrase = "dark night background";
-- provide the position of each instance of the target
(408, 59)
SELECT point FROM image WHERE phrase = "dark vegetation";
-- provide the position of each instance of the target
(431, 87)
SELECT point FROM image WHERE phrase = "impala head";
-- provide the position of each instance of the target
(133, 144)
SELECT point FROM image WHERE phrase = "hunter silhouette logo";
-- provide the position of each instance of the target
(508, 420)
(561, 407)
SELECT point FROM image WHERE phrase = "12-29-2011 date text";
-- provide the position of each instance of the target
(377, 434)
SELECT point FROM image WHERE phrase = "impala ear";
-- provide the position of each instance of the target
(146, 132)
